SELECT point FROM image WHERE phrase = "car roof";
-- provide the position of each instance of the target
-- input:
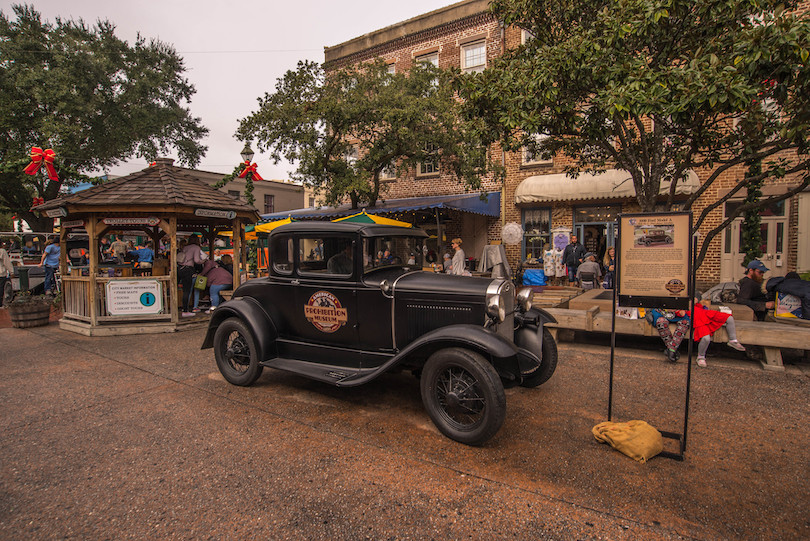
(365, 230)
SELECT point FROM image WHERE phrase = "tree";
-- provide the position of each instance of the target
(656, 88)
(89, 96)
(345, 128)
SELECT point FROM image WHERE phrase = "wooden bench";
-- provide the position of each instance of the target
(772, 337)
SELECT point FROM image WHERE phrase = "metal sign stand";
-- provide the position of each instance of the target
(658, 302)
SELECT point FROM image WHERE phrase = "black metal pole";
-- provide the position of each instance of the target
(692, 280)
(616, 266)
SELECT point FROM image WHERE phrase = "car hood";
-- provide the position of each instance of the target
(429, 284)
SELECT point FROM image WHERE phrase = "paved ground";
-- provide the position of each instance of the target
(139, 437)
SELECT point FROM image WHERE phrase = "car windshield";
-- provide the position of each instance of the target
(380, 252)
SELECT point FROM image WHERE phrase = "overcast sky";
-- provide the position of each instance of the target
(235, 50)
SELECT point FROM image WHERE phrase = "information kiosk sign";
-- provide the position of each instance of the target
(654, 263)
(130, 297)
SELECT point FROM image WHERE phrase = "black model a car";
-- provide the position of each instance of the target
(342, 305)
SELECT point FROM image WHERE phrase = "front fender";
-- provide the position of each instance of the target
(536, 317)
(502, 354)
(253, 315)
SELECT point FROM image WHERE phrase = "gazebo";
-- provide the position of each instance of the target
(159, 201)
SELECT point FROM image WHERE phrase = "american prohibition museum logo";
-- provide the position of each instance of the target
(325, 312)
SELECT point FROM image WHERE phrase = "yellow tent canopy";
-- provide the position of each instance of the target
(269, 226)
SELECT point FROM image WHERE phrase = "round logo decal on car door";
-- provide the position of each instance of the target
(325, 312)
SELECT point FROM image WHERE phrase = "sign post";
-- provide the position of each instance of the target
(655, 269)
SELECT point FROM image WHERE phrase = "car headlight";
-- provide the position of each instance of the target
(496, 308)
(524, 299)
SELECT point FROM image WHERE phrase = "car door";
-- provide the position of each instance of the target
(324, 314)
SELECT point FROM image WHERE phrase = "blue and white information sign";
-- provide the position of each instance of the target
(131, 297)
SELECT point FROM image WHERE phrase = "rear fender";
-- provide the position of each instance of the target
(253, 315)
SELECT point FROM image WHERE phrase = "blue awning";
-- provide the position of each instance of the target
(467, 202)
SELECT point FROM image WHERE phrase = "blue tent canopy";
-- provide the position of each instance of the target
(467, 202)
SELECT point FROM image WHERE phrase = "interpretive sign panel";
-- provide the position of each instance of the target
(132, 297)
(654, 260)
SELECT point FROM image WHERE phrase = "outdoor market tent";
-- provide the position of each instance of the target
(363, 218)
(161, 200)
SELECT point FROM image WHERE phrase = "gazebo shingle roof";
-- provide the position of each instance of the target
(162, 184)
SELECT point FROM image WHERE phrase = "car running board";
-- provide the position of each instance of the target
(326, 373)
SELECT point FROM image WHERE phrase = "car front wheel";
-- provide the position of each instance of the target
(463, 395)
(236, 353)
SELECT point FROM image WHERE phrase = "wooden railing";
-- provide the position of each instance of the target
(76, 298)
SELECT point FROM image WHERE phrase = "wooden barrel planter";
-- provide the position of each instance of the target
(32, 314)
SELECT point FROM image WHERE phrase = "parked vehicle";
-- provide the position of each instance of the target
(655, 236)
(338, 308)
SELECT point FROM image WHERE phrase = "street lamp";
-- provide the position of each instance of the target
(247, 153)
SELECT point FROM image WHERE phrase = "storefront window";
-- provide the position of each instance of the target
(536, 232)
(589, 215)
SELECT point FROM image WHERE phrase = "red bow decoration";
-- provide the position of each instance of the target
(250, 168)
(37, 157)
(38, 201)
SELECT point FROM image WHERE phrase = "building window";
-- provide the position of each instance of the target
(269, 203)
(474, 57)
(536, 232)
(531, 156)
(351, 155)
(392, 69)
(602, 214)
(311, 202)
(429, 167)
(430, 58)
(389, 173)
(237, 194)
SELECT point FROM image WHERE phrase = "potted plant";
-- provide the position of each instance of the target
(27, 310)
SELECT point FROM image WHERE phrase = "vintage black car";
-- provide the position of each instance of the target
(346, 302)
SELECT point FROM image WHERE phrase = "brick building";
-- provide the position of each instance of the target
(536, 193)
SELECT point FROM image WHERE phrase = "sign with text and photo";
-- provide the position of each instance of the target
(654, 263)
(128, 297)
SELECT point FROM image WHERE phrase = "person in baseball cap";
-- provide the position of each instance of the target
(756, 264)
(751, 293)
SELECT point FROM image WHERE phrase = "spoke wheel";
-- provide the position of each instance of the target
(463, 395)
(236, 353)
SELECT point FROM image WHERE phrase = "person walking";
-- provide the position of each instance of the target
(50, 260)
(458, 257)
(190, 255)
(572, 256)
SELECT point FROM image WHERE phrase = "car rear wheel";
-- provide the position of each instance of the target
(236, 353)
(463, 395)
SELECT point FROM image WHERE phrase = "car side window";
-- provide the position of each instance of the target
(282, 255)
(327, 255)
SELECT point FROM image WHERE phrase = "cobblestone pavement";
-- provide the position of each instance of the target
(140, 437)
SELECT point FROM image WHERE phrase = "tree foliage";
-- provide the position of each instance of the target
(656, 88)
(91, 97)
(344, 128)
